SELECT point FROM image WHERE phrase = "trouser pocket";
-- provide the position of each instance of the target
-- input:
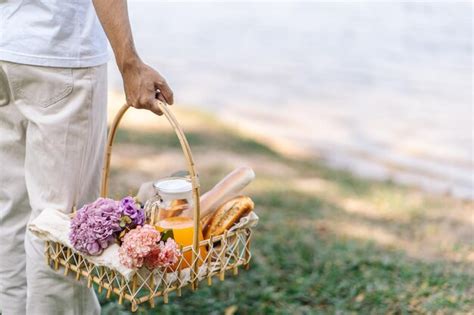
(39, 86)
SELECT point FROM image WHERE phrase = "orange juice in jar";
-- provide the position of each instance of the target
(175, 197)
(183, 231)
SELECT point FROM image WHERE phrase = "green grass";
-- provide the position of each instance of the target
(202, 140)
(301, 264)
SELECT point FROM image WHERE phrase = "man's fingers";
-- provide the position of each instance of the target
(165, 91)
(160, 97)
(145, 87)
(154, 108)
(151, 105)
(147, 103)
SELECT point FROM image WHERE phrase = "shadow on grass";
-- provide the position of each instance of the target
(300, 269)
(224, 140)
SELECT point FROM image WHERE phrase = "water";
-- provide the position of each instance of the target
(384, 89)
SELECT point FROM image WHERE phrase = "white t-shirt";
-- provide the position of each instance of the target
(55, 33)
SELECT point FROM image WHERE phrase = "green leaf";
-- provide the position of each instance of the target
(167, 234)
(124, 221)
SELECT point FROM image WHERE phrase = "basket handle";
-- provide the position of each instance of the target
(190, 164)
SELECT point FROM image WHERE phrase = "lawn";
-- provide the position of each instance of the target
(327, 242)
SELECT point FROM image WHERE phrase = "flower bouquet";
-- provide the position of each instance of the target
(106, 221)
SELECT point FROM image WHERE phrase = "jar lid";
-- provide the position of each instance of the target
(173, 185)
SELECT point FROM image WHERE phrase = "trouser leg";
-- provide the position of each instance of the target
(64, 144)
(14, 208)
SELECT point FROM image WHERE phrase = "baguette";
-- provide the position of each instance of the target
(228, 214)
(229, 187)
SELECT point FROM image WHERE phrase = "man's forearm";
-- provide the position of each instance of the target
(142, 84)
(113, 15)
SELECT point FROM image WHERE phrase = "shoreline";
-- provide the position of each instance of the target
(361, 164)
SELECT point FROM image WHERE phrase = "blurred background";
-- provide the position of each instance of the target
(356, 116)
(384, 89)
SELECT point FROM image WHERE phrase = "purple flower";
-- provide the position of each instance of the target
(95, 225)
(129, 208)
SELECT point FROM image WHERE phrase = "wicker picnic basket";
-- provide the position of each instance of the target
(224, 252)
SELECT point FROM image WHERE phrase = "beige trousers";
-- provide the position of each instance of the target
(52, 134)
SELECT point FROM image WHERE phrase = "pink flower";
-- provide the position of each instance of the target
(142, 246)
(137, 244)
(165, 255)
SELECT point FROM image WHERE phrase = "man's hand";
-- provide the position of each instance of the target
(143, 85)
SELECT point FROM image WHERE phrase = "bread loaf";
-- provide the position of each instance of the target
(177, 207)
(228, 214)
(229, 187)
(205, 221)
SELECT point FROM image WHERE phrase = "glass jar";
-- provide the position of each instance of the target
(175, 200)
(175, 196)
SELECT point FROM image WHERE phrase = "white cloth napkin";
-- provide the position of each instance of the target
(54, 225)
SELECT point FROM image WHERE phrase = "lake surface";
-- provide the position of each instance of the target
(383, 89)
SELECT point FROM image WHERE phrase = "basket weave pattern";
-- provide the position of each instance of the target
(224, 252)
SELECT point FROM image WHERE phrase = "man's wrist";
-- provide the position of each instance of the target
(127, 61)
